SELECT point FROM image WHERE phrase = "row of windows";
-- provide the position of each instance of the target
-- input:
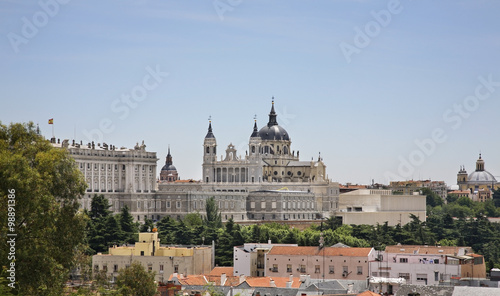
(157, 205)
(285, 205)
(150, 267)
(317, 269)
(422, 260)
(285, 216)
(111, 166)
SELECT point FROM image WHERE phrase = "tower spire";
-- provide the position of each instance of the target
(169, 157)
(210, 134)
(272, 116)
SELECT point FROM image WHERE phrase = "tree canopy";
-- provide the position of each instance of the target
(45, 184)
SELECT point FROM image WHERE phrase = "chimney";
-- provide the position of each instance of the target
(242, 278)
(269, 242)
(272, 284)
(308, 280)
(290, 278)
(289, 284)
(223, 279)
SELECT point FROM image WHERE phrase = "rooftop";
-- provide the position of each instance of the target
(315, 251)
(431, 250)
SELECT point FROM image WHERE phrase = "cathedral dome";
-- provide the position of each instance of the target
(169, 163)
(169, 167)
(272, 131)
(482, 177)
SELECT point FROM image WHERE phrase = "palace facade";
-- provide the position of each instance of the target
(269, 183)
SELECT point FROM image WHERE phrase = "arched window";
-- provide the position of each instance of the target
(208, 150)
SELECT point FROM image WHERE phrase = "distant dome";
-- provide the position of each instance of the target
(273, 132)
(482, 176)
(168, 167)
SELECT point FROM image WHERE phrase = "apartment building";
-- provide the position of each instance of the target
(163, 260)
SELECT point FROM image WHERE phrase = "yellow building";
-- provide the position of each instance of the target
(479, 183)
(163, 260)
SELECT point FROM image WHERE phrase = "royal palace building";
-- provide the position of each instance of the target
(269, 183)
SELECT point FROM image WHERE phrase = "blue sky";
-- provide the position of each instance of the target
(362, 82)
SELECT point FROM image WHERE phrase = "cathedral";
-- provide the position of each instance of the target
(269, 183)
(479, 183)
(269, 159)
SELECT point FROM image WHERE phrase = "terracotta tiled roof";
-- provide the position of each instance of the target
(315, 251)
(422, 250)
(368, 293)
(201, 280)
(220, 270)
(280, 282)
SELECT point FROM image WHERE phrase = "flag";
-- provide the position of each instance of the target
(51, 121)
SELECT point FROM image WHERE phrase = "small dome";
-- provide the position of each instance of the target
(170, 167)
(482, 177)
(273, 132)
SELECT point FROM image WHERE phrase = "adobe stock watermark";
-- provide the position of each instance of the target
(223, 6)
(31, 26)
(126, 102)
(11, 238)
(453, 118)
(364, 36)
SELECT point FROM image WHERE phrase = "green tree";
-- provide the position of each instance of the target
(166, 230)
(127, 225)
(213, 217)
(432, 199)
(100, 224)
(213, 220)
(496, 197)
(45, 184)
(193, 220)
(136, 281)
(113, 234)
(147, 226)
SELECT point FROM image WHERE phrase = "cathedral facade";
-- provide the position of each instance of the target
(269, 183)
(269, 159)
(480, 183)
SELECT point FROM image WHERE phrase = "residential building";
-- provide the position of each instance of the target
(372, 206)
(250, 259)
(163, 260)
(268, 285)
(460, 193)
(411, 186)
(322, 263)
(425, 265)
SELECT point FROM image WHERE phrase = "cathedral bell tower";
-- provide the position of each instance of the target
(462, 177)
(209, 154)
